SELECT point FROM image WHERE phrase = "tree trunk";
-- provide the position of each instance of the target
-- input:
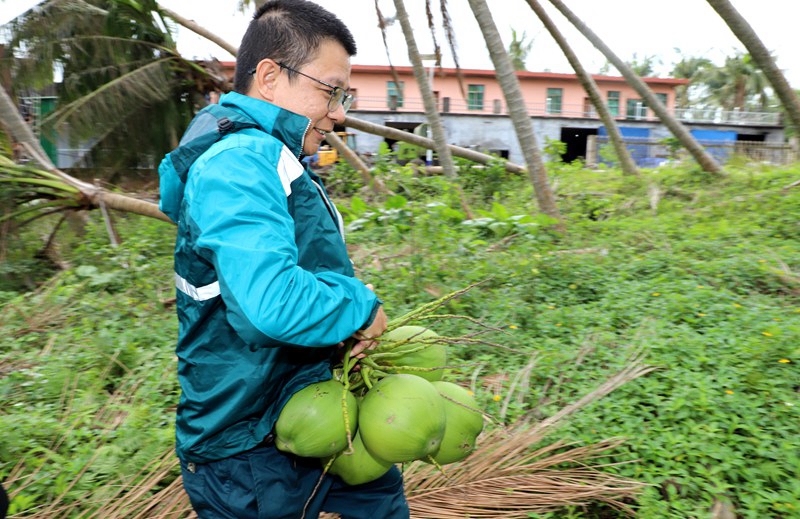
(706, 161)
(523, 127)
(202, 31)
(761, 55)
(431, 110)
(355, 161)
(411, 138)
(626, 161)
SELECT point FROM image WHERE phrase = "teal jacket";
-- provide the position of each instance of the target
(265, 288)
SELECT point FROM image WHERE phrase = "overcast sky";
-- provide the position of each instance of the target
(629, 27)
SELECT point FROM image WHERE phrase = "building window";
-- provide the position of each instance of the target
(554, 96)
(663, 99)
(475, 97)
(394, 95)
(613, 102)
(588, 109)
(636, 109)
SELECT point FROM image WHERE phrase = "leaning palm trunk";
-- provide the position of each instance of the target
(431, 111)
(20, 131)
(680, 132)
(626, 161)
(198, 29)
(411, 138)
(356, 163)
(762, 57)
(507, 78)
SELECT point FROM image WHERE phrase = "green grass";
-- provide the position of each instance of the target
(704, 275)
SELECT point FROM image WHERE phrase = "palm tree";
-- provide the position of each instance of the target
(706, 161)
(507, 78)
(126, 89)
(40, 189)
(737, 85)
(644, 67)
(519, 49)
(431, 110)
(762, 57)
(626, 161)
(691, 68)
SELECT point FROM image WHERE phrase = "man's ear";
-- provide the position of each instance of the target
(265, 78)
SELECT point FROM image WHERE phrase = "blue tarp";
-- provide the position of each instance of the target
(629, 134)
(718, 143)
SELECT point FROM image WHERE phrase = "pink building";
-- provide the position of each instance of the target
(545, 93)
(474, 112)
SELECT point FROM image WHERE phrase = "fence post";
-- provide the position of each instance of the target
(591, 151)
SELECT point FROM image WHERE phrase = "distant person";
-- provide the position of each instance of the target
(266, 290)
(311, 161)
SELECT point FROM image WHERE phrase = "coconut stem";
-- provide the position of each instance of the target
(436, 464)
(346, 366)
(316, 487)
(428, 308)
(365, 370)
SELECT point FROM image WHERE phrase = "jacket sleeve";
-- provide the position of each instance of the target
(239, 213)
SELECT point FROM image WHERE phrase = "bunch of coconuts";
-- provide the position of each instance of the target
(394, 409)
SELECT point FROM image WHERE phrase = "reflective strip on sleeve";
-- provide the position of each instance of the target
(197, 293)
(289, 170)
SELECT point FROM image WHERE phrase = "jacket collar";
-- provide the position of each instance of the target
(288, 127)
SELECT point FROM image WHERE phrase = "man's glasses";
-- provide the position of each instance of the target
(338, 95)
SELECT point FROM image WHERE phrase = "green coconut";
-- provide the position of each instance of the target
(359, 466)
(311, 424)
(402, 418)
(464, 423)
(403, 348)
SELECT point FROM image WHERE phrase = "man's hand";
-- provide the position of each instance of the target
(365, 337)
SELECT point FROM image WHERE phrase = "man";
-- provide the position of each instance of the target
(266, 291)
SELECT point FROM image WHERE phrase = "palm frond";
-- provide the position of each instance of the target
(107, 106)
(505, 478)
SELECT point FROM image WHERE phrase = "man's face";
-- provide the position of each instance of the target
(307, 97)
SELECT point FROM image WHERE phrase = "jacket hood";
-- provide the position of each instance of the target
(233, 113)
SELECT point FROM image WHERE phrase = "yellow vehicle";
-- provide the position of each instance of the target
(328, 154)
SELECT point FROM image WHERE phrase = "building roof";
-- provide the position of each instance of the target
(476, 73)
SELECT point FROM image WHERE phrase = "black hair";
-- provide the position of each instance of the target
(289, 32)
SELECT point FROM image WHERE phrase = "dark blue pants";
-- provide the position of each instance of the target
(265, 483)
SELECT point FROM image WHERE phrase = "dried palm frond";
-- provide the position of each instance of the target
(506, 478)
